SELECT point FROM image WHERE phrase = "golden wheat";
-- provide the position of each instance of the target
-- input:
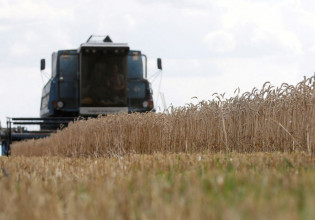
(270, 119)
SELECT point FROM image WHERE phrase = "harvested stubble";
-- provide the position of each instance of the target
(272, 119)
(159, 186)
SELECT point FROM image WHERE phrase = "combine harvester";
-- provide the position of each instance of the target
(99, 78)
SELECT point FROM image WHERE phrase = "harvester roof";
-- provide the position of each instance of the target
(102, 42)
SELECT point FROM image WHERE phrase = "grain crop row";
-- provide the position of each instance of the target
(270, 119)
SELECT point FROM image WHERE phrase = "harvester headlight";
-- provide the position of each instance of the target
(60, 104)
(145, 104)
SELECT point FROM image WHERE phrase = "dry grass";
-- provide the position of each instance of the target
(159, 186)
(272, 119)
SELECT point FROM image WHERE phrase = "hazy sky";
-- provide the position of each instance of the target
(207, 46)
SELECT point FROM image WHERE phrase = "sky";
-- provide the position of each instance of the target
(206, 46)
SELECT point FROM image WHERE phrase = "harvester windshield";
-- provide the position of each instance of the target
(103, 78)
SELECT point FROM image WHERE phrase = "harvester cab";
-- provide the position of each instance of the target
(89, 81)
(98, 78)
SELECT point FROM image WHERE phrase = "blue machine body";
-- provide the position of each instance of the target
(61, 96)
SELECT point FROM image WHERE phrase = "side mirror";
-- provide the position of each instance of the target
(159, 63)
(42, 64)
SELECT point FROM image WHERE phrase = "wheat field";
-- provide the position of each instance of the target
(250, 156)
(267, 120)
